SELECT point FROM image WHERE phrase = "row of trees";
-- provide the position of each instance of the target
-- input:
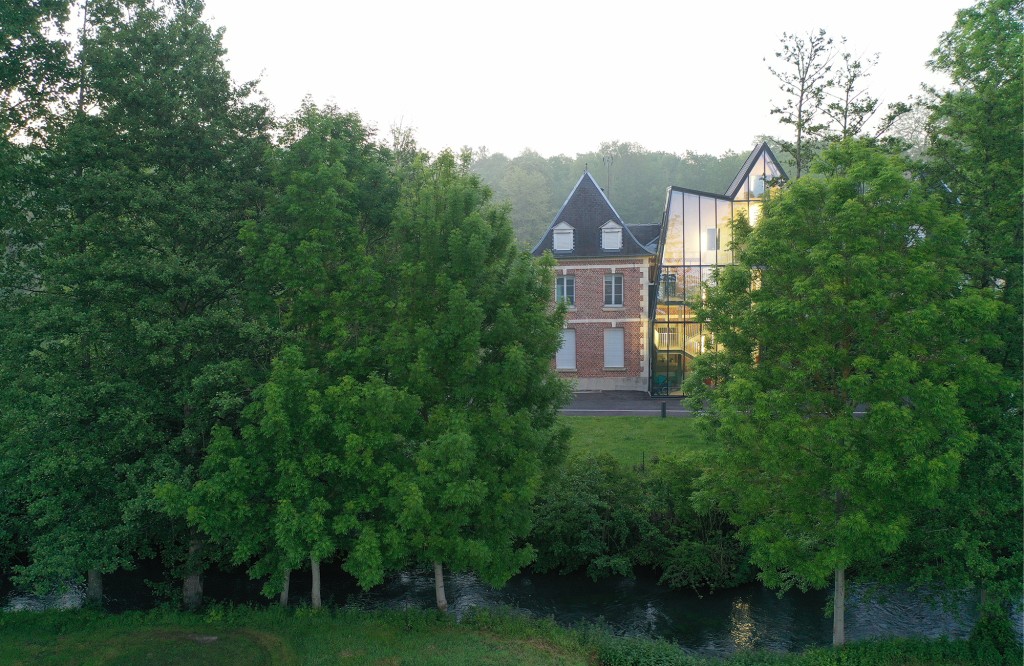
(866, 404)
(231, 339)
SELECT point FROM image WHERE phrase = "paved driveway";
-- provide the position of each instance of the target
(623, 403)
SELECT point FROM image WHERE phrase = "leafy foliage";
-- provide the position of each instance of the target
(470, 335)
(131, 337)
(975, 165)
(593, 514)
(835, 404)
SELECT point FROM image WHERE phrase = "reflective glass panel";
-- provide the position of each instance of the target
(668, 336)
(691, 339)
(708, 231)
(724, 232)
(673, 253)
(691, 221)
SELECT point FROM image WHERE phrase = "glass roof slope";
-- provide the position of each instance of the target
(761, 160)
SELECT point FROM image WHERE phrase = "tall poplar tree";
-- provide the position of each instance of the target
(975, 163)
(136, 337)
(305, 480)
(471, 336)
(834, 405)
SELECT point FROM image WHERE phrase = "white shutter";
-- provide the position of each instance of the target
(565, 359)
(614, 348)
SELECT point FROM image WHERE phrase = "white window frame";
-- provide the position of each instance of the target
(616, 280)
(565, 290)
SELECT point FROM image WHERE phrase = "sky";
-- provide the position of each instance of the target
(561, 76)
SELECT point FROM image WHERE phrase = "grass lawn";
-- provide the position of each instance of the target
(633, 439)
(239, 636)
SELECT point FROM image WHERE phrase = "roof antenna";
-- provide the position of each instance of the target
(586, 167)
(607, 159)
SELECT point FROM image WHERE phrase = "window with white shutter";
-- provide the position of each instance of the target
(614, 348)
(565, 359)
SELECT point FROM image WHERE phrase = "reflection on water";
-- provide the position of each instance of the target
(72, 597)
(729, 620)
(743, 630)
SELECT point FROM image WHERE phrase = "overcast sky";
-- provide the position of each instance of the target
(560, 77)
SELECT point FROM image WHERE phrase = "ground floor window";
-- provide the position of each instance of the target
(614, 348)
(565, 359)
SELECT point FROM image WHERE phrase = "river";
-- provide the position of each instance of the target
(742, 618)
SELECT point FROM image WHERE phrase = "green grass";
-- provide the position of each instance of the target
(633, 439)
(244, 636)
(238, 635)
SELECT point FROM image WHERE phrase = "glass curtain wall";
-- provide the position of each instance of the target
(698, 238)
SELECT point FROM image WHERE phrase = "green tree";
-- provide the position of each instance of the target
(135, 332)
(974, 162)
(804, 76)
(834, 405)
(311, 465)
(471, 336)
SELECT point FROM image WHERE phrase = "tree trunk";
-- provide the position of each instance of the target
(314, 565)
(839, 609)
(284, 590)
(442, 603)
(192, 588)
(94, 587)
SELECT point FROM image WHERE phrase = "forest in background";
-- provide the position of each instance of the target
(633, 178)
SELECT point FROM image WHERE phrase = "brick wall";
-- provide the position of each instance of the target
(591, 317)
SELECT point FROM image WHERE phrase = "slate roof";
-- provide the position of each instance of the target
(741, 175)
(586, 210)
(645, 233)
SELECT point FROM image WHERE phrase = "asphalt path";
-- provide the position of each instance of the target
(624, 403)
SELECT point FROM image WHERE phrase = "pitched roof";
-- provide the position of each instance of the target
(645, 233)
(586, 210)
(748, 165)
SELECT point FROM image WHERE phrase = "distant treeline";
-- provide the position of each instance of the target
(633, 177)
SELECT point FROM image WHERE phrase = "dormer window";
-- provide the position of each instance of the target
(611, 236)
(562, 237)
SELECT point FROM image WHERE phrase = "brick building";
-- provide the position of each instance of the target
(621, 333)
(604, 274)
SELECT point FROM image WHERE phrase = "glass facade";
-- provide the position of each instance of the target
(698, 238)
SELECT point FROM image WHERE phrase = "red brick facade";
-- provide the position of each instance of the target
(590, 317)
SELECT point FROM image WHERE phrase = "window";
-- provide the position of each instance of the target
(611, 237)
(712, 235)
(562, 237)
(565, 290)
(668, 337)
(668, 287)
(565, 359)
(613, 289)
(614, 348)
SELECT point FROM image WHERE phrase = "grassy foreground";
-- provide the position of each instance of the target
(233, 635)
(633, 439)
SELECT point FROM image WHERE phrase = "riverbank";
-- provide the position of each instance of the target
(242, 635)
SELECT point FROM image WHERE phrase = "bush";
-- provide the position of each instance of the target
(596, 515)
(994, 640)
(642, 652)
(591, 514)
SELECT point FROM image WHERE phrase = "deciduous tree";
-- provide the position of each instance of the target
(137, 341)
(974, 162)
(471, 336)
(834, 406)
